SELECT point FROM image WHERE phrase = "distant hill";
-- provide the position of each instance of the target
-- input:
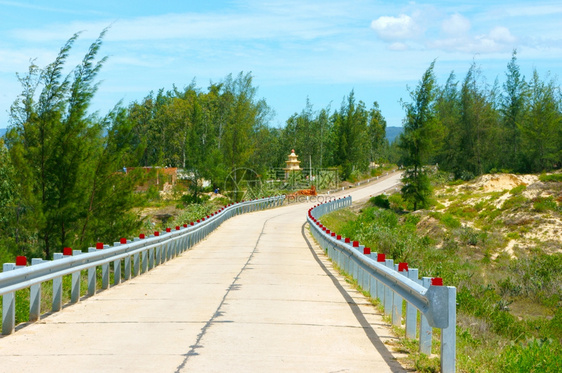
(393, 132)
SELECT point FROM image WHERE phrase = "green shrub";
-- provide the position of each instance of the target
(536, 355)
(518, 189)
(396, 201)
(380, 201)
(189, 199)
(152, 194)
(450, 221)
(514, 202)
(543, 204)
(551, 178)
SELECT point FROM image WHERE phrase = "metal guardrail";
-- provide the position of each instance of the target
(392, 284)
(139, 256)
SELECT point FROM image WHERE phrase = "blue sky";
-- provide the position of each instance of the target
(294, 48)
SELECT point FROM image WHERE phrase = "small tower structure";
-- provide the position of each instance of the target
(292, 164)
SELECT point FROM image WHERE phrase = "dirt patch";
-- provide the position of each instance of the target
(159, 214)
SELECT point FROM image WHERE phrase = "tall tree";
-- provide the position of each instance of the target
(60, 152)
(377, 133)
(542, 126)
(447, 108)
(417, 139)
(477, 120)
(513, 110)
(350, 128)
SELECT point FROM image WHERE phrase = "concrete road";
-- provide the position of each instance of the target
(255, 296)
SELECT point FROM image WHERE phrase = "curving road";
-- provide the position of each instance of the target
(255, 296)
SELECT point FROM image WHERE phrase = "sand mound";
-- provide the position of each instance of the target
(499, 182)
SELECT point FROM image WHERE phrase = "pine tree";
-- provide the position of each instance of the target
(417, 140)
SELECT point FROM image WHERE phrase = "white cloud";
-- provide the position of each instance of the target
(395, 28)
(499, 39)
(502, 35)
(456, 25)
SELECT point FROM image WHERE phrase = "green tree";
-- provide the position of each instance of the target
(377, 133)
(66, 165)
(541, 127)
(50, 139)
(477, 125)
(513, 110)
(420, 126)
(351, 134)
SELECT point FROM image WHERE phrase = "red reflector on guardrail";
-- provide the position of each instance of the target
(333, 234)
(367, 250)
(157, 233)
(123, 241)
(177, 227)
(338, 237)
(99, 245)
(21, 261)
(402, 267)
(141, 236)
(67, 251)
(355, 243)
(381, 257)
(347, 240)
(168, 230)
(437, 281)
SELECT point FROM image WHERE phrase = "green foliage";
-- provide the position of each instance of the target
(535, 355)
(557, 178)
(188, 199)
(417, 140)
(543, 204)
(521, 119)
(380, 201)
(518, 189)
(69, 191)
(396, 201)
(450, 221)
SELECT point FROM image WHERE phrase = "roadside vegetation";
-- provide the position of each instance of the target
(497, 239)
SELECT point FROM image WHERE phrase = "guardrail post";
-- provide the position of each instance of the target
(116, 268)
(8, 306)
(449, 334)
(388, 298)
(57, 287)
(150, 259)
(127, 263)
(91, 276)
(104, 272)
(426, 332)
(397, 303)
(380, 288)
(373, 287)
(35, 296)
(75, 289)
(411, 311)
(136, 261)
